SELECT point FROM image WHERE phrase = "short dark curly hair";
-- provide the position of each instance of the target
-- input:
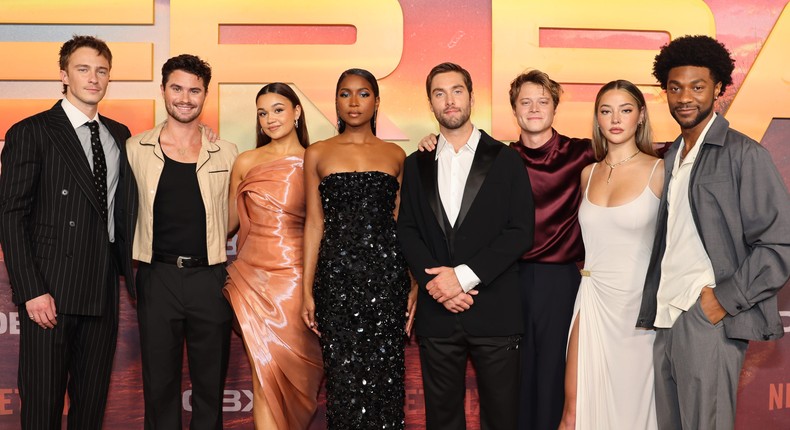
(187, 63)
(700, 51)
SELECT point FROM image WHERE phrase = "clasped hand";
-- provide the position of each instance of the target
(445, 289)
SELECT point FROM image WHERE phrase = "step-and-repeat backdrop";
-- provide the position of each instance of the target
(580, 43)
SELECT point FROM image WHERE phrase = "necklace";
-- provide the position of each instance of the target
(612, 166)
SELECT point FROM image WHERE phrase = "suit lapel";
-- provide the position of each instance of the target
(69, 147)
(119, 133)
(484, 157)
(426, 162)
(115, 132)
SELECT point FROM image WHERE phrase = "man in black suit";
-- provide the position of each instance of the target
(67, 210)
(466, 216)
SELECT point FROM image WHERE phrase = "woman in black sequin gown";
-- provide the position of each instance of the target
(356, 285)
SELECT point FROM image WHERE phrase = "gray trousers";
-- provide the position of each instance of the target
(697, 369)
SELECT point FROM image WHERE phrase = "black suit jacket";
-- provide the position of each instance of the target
(494, 228)
(51, 230)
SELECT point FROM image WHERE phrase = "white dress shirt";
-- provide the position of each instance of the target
(111, 154)
(686, 267)
(453, 170)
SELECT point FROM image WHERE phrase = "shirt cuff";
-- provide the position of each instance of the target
(466, 277)
(711, 285)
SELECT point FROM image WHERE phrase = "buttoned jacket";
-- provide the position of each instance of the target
(51, 228)
(493, 229)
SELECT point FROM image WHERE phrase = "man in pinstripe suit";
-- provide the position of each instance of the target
(68, 203)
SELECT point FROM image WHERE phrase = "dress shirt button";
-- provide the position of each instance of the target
(65, 192)
(72, 224)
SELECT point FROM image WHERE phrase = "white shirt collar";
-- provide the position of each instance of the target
(76, 117)
(471, 143)
(692, 155)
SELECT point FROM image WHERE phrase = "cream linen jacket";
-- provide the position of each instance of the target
(213, 173)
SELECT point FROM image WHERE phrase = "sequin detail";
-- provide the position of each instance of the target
(361, 289)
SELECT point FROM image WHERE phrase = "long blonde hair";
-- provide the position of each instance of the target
(644, 134)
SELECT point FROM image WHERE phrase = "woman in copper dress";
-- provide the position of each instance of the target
(265, 282)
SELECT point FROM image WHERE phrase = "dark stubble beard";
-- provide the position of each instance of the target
(453, 123)
(697, 120)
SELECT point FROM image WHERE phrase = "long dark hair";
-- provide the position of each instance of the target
(301, 127)
(341, 125)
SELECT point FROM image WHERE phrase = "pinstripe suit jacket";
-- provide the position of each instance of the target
(51, 231)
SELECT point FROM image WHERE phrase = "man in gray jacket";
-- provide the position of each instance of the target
(722, 246)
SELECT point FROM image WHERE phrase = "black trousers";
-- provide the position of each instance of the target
(173, 306)
(548, 295)
(496, 362)
(75, 356)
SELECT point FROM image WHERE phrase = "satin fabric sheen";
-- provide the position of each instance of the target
(264, 288)
(554, 174)
(615, 372)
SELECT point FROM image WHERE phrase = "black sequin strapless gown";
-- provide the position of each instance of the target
(361, 288)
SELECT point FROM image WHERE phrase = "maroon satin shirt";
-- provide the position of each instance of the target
(555, 174)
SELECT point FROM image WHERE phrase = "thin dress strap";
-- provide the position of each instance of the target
(589, 179)
(650, 178)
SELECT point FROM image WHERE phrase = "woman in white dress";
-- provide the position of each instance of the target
(609, 375)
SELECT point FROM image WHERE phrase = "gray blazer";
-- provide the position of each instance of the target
(741, 209)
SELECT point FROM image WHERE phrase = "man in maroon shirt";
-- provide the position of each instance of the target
(549, 274)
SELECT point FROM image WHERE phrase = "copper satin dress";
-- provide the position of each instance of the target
(264, 288)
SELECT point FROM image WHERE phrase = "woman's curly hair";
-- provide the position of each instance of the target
(700, 51)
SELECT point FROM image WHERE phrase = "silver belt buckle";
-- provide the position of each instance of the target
(180, 261)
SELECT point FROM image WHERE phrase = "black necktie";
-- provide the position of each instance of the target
(99, 167)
